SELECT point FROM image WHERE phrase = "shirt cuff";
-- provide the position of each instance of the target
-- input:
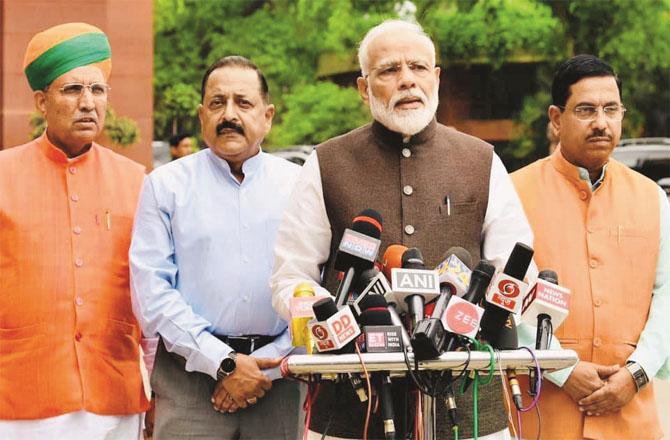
(559, 377)
(207, 358)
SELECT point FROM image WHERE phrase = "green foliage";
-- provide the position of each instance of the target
(494, 30)
(290, 39)
(317, 112)
(284, 38)
(121, 130)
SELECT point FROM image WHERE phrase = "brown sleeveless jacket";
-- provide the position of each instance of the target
(432, 193)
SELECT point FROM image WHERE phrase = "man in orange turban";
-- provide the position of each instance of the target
(69, 343)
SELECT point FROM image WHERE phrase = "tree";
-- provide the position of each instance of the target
(288, 39)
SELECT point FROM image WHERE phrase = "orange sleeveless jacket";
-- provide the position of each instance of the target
(604, 246)
(68, 337)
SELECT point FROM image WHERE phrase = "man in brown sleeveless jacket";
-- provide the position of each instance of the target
(434, 187)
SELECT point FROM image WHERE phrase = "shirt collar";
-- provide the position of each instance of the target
(394, 140)
(250, 166)
(578, 175)
(56, 154)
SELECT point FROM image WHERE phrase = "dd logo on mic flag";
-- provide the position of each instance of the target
(507, 293)
(462, 317)
(322, 338)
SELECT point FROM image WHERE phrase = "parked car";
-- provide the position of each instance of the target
(161, 153)
(649, 156)
(297, 154)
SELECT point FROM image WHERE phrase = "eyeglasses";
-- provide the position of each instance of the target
(75, 90)
(613, 112)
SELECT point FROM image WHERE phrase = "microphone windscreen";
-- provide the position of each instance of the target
(392, 259)
(485, 268)
(364, 279)
(368, 222)
(461, 253)
(324, 309)
(374, 311)
(519, 260)
(549, 276)
(412, 259)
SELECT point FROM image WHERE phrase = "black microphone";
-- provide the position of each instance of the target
(479, 281)
(429, 335)
(358, 250)
(375, 314)
(506, 293)
(412, 259)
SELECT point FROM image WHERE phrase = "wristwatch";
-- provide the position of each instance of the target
(227, 366)
(639, 376)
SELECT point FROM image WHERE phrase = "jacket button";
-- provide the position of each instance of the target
(408, 190)
(77, 336)
(583, 195)
(406, 152)
(597, 342)
(598, 302)
(78, 262)
(409, 229)
(73, 170)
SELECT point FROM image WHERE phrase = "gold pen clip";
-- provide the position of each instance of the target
(109, 220)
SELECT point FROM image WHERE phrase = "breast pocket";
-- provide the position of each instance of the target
(458, 223)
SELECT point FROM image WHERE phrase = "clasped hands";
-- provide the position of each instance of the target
(245, 386)
(600, 389)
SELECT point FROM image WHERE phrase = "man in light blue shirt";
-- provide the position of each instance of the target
(200, 259)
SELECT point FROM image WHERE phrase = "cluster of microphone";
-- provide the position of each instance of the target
(441, 306)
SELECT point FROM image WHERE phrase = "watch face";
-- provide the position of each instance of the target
(228, 365)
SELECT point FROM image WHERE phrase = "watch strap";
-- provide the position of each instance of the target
(639, 375)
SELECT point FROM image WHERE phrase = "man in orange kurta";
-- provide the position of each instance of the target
(69, 343)
(605, 229)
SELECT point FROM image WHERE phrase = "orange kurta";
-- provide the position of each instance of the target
(604, 246)
(68, 337)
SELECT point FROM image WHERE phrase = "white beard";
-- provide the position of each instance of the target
(407, 122)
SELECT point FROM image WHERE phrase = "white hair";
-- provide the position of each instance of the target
(387, 26)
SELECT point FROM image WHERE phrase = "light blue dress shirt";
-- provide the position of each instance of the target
(201, 255)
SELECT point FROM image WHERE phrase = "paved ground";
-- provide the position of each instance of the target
(662, 389)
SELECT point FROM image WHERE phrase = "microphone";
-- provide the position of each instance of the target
(336, 330)
(379, 328)
(429, 336)
(300, 309)
(455, 270)
(392, 258)
(546, 306)
(358, 250)
(370, 282)
(413, 285)
(506, 292)
(463, 315)
(333, 329)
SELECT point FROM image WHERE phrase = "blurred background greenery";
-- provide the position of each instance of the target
(307, 50)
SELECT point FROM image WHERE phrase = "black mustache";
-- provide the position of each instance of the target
(229, 125)
(599, 133)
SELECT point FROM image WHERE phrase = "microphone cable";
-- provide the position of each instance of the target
(478, 346)
(367, 381)
(506, 396)
(538, 385)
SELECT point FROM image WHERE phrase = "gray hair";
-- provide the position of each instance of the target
(386, 26)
